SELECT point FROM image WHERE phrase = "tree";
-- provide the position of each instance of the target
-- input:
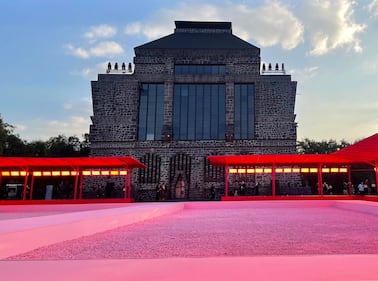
(308, 146)
(84, 146)
(37, 149)
(15, 146)
(5, 130)
(60, 147)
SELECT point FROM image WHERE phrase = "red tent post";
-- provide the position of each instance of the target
(320, 180)
(81, 186)
(376, 178)
(128, 177)
(76, 183)
(274, 180)
(31, 186)
(25, 185)
(226, 184)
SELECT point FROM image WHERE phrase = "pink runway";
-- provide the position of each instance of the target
(245, 240)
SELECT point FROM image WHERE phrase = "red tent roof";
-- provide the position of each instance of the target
(84, 162)
(365, 150)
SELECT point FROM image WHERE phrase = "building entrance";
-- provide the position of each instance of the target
(180, 188)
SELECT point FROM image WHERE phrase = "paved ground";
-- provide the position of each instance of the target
(264, 240)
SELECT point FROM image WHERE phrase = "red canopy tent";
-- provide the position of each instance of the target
(74, 166)
(365, 151)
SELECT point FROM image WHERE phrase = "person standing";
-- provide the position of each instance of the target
(212, 192)
(242, 188)
(366, 187)
(157, 190)
(162, 191)
(258, 185)
(360, 188)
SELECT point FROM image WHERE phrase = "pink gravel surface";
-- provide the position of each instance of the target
(230, 229)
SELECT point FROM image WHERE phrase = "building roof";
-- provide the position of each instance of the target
(73, 162)
(210, 35)
(203, 25)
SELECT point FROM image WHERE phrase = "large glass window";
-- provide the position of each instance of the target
(244, 111)
(151, 112)
(199, 111)
(201, 69)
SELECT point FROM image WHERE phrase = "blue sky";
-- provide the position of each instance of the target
(51, 50)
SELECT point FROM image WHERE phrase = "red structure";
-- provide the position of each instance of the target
(31, 167)
(362, 152)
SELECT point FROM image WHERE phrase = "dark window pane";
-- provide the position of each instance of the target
(192, 69)
(151, 111)
(192, 112)
(207, 69)
(215, 69)
(184, 113)
(244, 111)
(178, 69)
(222, 112)
(214, 112)
(143, 113)
(237, 112)
(200, 69)
(185, 69)
(206, 111)
(199, 112)
(251, 111)
(159, 111)
(176, 112)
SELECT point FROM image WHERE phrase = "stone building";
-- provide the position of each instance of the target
(196, 92)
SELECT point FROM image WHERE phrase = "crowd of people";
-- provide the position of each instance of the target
(242, 189)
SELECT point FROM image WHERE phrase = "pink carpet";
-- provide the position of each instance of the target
(261, 240)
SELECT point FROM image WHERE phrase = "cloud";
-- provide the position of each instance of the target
(102, 49)
(269, 24)
(369, 67)
(20, 127)
(373, 8)
(67, 106)
(272, 24)
(106, 48)
(100, 31)
(77, 52)
(134, 28)
(304, 74)
(75, 123)
(72, 125)
(41, 129)
(94, 48)
(78, 107)
(91, 72)
(331, 25)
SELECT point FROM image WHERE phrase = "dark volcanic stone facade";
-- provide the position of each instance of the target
(116, 104)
